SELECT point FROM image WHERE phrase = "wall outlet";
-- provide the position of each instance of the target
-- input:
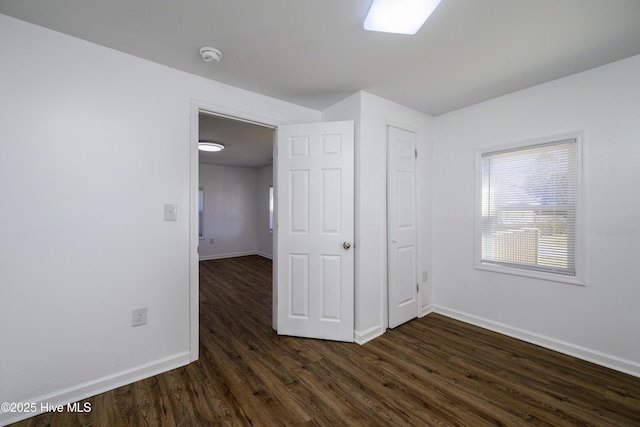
(139, 316)
(211, 241)
(425, 275)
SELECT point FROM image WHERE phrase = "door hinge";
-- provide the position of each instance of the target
(417, 288)
(416, 151)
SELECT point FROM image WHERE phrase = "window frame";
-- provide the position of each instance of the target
(271, 209)
(201, 213)
(580, 272)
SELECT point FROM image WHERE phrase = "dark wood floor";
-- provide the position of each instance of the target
(432, 371)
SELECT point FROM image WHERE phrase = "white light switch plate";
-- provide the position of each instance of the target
(170, 212)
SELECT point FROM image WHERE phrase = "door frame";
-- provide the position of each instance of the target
(200, 106)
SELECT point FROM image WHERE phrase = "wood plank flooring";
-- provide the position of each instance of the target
(433, 371)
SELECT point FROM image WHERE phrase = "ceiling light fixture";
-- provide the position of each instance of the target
(210, 146)
(399, 16)
(210, 54)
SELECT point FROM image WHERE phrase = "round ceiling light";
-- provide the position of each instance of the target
(210, 146)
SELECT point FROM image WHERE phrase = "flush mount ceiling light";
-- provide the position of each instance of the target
(210, 54)
(210, 146)
(399, 16)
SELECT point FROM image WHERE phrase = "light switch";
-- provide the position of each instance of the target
(170, 212)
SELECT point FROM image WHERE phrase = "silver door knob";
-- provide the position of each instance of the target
(346, 245)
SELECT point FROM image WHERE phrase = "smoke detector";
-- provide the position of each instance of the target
(210, 54)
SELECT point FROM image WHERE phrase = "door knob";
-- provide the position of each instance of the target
(346, 245)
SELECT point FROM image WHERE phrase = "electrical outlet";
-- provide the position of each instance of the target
(139, 316)
(425, 275)
(211, 241)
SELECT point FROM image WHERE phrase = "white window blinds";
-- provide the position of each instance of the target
(529, 207)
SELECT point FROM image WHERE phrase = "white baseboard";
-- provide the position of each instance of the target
(227, 255)
(264, 254)
(607, 360)
(91, 388)
(425, 310)
(235, 255)
(361, 337)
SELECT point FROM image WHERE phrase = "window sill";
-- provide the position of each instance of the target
(571, 280)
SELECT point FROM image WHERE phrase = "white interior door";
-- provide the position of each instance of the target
(401, 226)
(315, 262)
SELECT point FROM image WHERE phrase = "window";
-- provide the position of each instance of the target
(201, 213)
(529, 199)
(271, 209)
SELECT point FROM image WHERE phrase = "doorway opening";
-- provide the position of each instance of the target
(236, 184)
(227, 193)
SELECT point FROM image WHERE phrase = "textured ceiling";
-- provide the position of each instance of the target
(246, 144)
(316, 52)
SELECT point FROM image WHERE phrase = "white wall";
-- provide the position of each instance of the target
(236, 211)
(230, 211)
(372, 114)
(598, 322)
(94, 143)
